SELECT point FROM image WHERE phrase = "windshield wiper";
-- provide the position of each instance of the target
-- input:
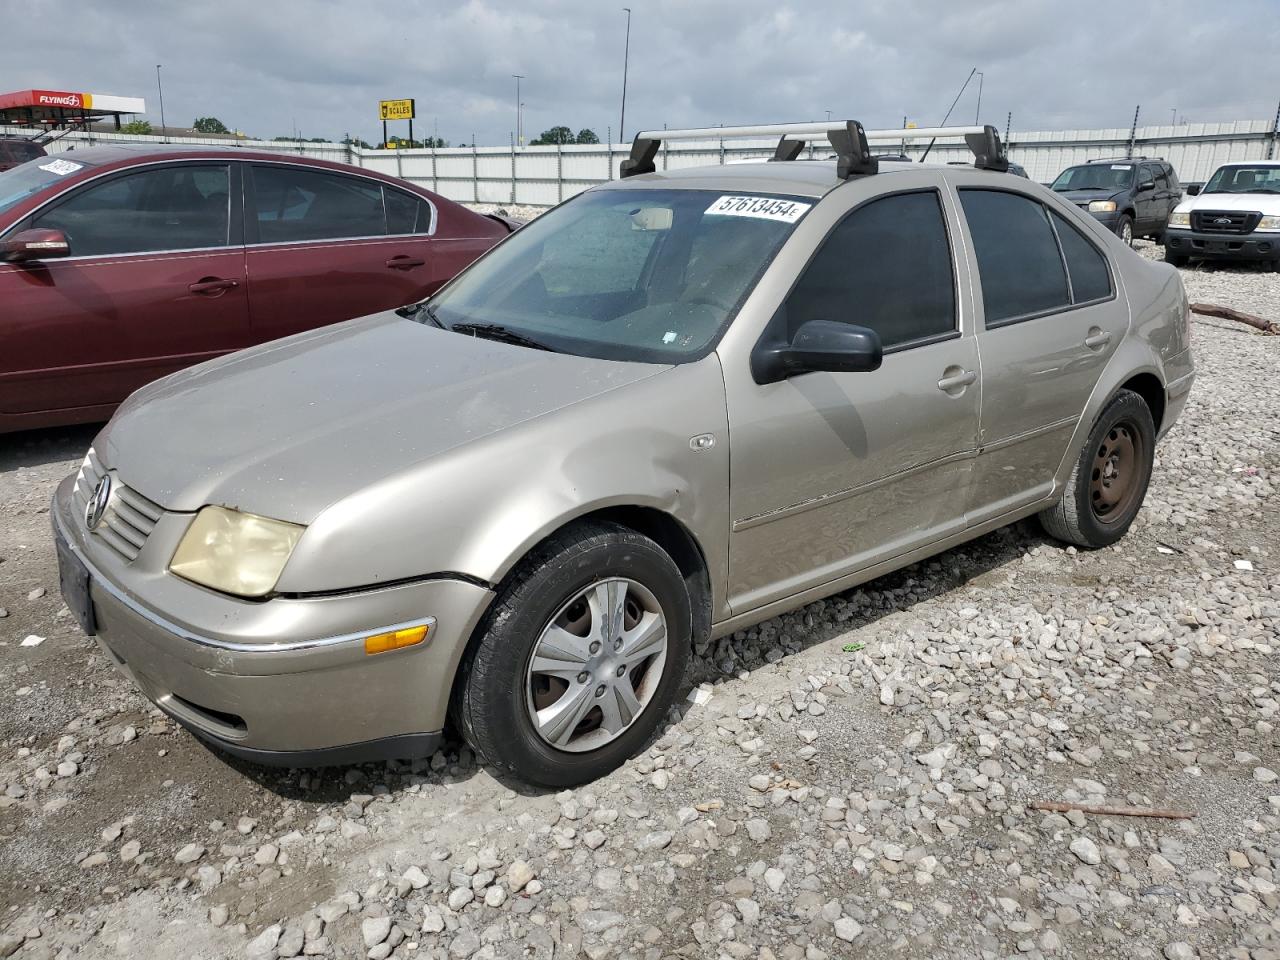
(413, 309)
(496, 331)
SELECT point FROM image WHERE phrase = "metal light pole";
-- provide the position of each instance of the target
(519, 134)
(626, 55)
(163, 129)
(828, 116)
(978, 110)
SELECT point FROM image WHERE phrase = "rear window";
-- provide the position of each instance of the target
(19, 151)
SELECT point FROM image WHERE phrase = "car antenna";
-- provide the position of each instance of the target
(948, 116)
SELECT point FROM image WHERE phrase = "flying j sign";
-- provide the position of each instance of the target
(63, 100)
(395, 109)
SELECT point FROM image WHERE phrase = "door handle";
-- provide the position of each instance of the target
(405, 263)
(1097, 339)
(956, 381)
(212, 286)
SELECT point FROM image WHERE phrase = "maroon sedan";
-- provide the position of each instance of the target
(121, 264)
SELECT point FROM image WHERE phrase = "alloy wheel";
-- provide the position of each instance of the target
(597, 665)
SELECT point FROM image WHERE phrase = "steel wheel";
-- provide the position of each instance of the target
(597, 665)
(1117, 476)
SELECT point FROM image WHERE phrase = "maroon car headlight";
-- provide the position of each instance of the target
(234, 552)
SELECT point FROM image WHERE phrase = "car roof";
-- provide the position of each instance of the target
(1251, 163)
(805, 178)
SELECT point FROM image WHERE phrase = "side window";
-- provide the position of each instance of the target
(1149, 174)
(1090, 278)
(294, 204)
(405, 213)
(1172, 177)
(887, 266)
(183, 207)
(1018, 259)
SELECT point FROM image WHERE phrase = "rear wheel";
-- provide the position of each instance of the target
(1110, 476)
(1124, 229)
(579, 658)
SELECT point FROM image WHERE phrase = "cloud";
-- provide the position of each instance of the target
(322, 65)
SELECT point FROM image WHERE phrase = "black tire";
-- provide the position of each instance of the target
(1125, 222)
(1083, 516)
(490, 706)
(1176, 259)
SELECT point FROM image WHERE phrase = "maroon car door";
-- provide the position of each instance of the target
(155, 281)
(325, 246)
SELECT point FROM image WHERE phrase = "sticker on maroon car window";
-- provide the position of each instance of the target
(61, 167)
(761, 208)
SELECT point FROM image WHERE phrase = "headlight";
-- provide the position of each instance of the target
(237, 553)
(1102, 206)
(1271, 223)
(1180, 219)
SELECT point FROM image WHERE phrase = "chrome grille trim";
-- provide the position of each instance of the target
(130, 517)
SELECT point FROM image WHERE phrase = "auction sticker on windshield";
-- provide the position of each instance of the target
(61, 167)
(762, 208)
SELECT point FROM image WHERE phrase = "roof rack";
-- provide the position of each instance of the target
(850, 139)
(1121, 159)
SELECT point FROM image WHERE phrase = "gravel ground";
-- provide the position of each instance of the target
(855, 780)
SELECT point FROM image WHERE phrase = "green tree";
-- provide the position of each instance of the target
(137, 127)
(435, 142)
(554, 135)
(209, 125)
(587, 135)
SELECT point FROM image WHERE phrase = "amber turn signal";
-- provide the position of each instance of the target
(382, 642)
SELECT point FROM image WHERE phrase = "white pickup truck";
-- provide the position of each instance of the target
(1235, 216)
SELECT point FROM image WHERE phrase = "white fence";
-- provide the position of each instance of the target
(540, 176)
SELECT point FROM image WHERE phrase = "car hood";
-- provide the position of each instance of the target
(1266, 202)
(285, 429)
(1084, 196)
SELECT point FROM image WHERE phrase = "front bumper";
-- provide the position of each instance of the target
(1222, 246)
(281, 681)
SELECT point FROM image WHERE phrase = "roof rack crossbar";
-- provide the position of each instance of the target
(849, 139)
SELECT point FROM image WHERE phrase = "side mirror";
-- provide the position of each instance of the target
(818, 345)
(1146, 185)
(1193, 190)
(34, 245)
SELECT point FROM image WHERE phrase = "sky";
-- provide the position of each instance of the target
(270, 67)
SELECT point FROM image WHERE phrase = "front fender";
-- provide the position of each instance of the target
(477, 509)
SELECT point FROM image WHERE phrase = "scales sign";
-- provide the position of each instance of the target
(395, 109)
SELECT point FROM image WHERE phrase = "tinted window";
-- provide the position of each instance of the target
(1018, 257)
(406, 214)
(1090, 279)
(1149, 173)
(183, 207)
(887, 266)
(1172, 177)
(296, 204)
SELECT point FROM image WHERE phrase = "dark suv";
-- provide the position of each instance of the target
(16, 150)
(1132, 196)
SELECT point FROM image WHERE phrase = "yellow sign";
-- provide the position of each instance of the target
(911, 125)
(395, 109)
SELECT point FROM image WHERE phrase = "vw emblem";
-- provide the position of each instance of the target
(1223, 220)
(97, 504)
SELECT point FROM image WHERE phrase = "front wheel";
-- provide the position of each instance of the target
(579, 657)
(1124, 229)
(1110, 477)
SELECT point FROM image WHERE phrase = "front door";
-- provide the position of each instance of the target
(1052, 320)
(155, 281)
(833, 472)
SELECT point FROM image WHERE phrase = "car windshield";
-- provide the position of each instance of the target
(32, 177)
(1095, 176)
(1260, 179)
(646, 275)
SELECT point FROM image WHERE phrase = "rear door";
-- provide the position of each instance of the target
(1149, 200)
(326, 246)
(155, 282)
(1051, 320)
